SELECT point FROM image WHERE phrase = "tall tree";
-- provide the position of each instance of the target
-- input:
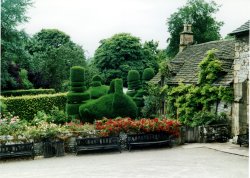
(13, 52)
(53, 55)
(122, 52)
(199, 13)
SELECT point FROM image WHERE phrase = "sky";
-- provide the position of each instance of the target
(89, 21)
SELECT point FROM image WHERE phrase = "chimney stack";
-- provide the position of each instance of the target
(186, 37)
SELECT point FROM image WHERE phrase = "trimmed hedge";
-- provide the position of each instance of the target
(72, 109)
(148, 74)
(73, 97)
(97, 92)
(118, 86)
(27, 92)
(97, 78)
(26, 106)
(110, 106)
(76, 84)
(78, 89)
(96, 83)
(133, 80)
(112, 87)
(77, 74)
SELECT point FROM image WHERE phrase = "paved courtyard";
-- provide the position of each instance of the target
(189, 161)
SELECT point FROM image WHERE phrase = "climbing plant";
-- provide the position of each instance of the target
(186, 100)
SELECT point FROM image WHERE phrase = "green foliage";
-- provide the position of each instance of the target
(78, 89)
(72, 109)
(53, 53)
(97, 92)
(112, 86)
(133, 80)
(96, 84)
(25, 83)
(200, 14)
(77, 84)
(97, 109)
(3, 107)
(13, 42)
(97, 78)
(210, 68)
(27, 92)
(122, 52)
(148, 74)
(54, 115)
(77, 74)
(26, 106)
(124, 106)
(119, 86)
(109, 105)
(75, 97)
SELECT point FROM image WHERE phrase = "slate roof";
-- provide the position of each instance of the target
(242, 29)
(185, 64)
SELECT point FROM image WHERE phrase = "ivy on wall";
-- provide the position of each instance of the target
(186, 101)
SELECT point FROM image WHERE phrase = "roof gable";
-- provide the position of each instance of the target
(190, 58)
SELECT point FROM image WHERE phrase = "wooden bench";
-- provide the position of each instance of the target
(243, 139)
(17, 150)
(99, 143)
(148, 139)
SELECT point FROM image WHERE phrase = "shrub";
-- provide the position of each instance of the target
(97, 78)
(112, 86)
(97, 109)
(27, 92)
(73, 97)
(124, 106)
(133, 80)
(118, 86)
(3, 107)
(77, 74)
(25, 83)
(76, 84)
(97, 92)
(96, 84)
(148, 74)
(27, 106)
(78, 89)
(72, 109)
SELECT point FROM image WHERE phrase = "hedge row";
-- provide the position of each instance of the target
(27, 92)
(26, 106)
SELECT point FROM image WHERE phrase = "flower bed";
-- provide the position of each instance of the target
(111, 127)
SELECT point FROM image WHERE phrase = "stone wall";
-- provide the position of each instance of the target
(240, 109)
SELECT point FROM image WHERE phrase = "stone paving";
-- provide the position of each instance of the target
(186, 161)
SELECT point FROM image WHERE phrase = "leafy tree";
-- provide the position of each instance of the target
(53, 54)
(204, 25)
(122, 52)
(13, 41)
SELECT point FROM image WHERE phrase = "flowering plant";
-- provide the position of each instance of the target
(11, 125)
(109, 127)
(79, 129)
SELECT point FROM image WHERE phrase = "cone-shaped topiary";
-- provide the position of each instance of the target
(133, 80)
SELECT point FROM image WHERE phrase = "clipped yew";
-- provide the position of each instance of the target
(75, 96)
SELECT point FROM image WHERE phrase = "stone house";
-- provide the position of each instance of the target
(234, 55)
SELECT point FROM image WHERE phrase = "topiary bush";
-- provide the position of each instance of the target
(75, 96)
(96, 84)
(97, 92)
(97, 78)
(133, 80)
(148, 74)
(110, 105)
(112, 86)
(77, 74)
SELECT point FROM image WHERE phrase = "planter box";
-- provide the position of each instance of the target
(99, 143)
(54, 148)
(17, 150)
(148, 139)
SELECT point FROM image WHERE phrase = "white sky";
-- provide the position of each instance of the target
(89, 21)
